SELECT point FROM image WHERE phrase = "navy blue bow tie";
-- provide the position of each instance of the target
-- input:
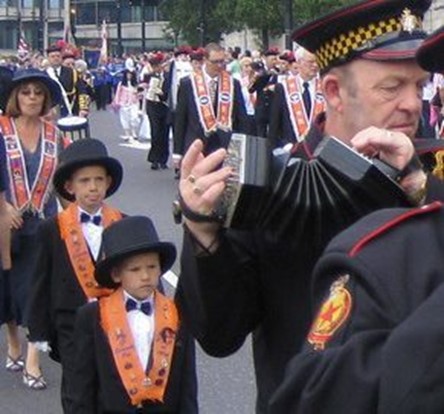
(86, 218)
(145, 307)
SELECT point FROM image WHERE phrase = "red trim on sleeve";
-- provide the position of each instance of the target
(392, 223)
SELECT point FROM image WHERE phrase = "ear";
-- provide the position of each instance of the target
(115, 275)
(331, 87)
(68, 187)
(109, 181)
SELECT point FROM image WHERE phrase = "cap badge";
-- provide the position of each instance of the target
(410, 22)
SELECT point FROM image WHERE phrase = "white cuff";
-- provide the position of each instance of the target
(177, 157)
(42, 346)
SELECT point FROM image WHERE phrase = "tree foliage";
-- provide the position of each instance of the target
(265, 17)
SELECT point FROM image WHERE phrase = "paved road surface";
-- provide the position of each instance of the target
(226, 386)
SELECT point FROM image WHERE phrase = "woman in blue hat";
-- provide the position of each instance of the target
(32, 147)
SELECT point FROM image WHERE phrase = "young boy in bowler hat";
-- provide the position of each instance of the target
(68, 249)
(133, 353)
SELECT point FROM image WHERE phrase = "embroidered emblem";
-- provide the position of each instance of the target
(294, 97)
(409, 21)
(204, 100)
(332, 315)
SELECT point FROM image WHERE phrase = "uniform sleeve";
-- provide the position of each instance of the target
(373, 342)
(85, 377)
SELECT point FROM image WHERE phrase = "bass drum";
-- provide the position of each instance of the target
(75, 127)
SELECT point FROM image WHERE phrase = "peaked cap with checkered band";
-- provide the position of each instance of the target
(373, 29)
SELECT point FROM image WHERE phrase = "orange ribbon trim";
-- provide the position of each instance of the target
(81, 261)
(139, 385)
(22, 196)
(205, 109)
(298, 116)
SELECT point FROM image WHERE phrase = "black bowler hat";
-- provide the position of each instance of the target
(430, 54)
(378, 30)
(36, 75)
(84, 153)
(127, 237)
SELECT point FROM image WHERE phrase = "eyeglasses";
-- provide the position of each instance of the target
(218, 61)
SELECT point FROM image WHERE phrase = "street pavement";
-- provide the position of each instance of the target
(226, 386)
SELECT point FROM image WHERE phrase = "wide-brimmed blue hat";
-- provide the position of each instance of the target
(31, 74)
(127, 237)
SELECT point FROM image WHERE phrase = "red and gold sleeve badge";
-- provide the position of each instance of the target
(332, 315)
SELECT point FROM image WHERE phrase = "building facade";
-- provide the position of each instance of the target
(132, 25)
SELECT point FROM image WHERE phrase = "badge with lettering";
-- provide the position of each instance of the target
(332, 315)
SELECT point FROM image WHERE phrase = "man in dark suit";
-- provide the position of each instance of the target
(210, 106)
(296, 103)
(67, 79)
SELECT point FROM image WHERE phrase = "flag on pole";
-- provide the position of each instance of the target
(68, 35)
(104, 47)
(23, 48)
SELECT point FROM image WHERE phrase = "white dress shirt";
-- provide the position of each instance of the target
(142, 329)
(92, 233)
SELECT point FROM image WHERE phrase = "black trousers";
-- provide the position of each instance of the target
(158, 115)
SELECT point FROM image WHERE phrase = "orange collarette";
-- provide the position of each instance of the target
(139, 385)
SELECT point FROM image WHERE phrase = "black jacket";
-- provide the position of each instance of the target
(387, 355)
(97, 388)
(187, 126)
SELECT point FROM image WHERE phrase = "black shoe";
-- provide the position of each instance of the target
(176, 174)
(163, 166)
(154, 166)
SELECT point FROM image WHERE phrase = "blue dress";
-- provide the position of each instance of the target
(24, 240)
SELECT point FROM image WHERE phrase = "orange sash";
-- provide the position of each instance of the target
(300, 121)
(139, 385)
(23, 197)
(204, 105)
(81, 261)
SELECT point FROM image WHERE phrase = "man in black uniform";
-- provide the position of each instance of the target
(376, 344)
(235, 283)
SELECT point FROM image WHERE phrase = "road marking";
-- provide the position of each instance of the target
(171, 278)
(136, 144)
